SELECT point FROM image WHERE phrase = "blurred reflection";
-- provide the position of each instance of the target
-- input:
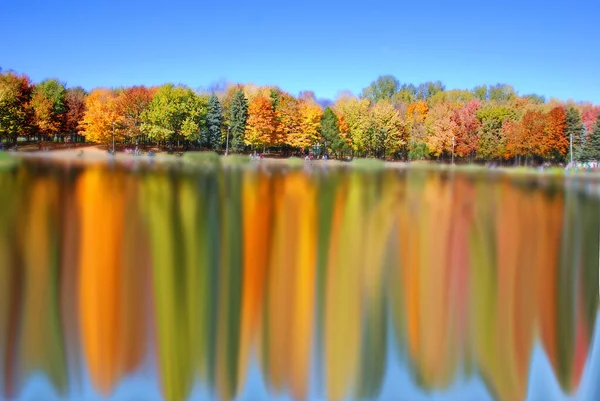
(320, 280)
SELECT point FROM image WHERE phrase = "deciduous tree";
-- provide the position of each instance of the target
(75, 104)
(441, 128)
(310, 122)
(100, 114)
(262, 122)
(357, 115)
(384, 88)
(15, 111)
(467, 128)
(491, 138)
(48, 105)
(131, 104)
(555, 143)
(388, 130)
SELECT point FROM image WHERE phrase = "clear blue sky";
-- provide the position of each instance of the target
(545, 47)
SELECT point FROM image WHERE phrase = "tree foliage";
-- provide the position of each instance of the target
(48, 105)
(591, 149)
(238, 120)
(102, 118)
(15, 110)
(330, 131)
(75, 104)
(263, 124)
(131, 104)
(384, 88)
(214, 120)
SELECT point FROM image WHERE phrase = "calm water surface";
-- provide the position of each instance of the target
(156, 282)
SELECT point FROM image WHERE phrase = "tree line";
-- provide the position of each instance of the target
(387, 119)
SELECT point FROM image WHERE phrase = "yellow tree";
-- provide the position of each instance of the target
(310, 122)
(389, 133)
(262, 125)
(101, 117)
(357, 115)
(288, 114)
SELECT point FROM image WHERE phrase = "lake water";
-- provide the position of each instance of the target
(141, 282)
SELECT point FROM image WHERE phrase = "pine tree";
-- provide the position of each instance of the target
(214, 118)
(574, 127)
(239, 117)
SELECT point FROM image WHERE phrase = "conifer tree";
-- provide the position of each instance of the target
(214, 118)
(239, 117)
(591, 151)
(574, 127)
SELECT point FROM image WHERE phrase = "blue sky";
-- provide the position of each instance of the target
(549, 48)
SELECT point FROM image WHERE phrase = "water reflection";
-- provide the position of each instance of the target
(319, 280)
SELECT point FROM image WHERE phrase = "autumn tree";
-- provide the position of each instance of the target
(287, 112)
(389, 135)
(214, 119)
(131, 104)
(357, 115)
(414, 121)
(491, 139)
(440, 128)
(467, 128)
(102, 117)
(555, 144)
(262, 122)
(514, 143)
(48, 105)
(533, 141)
(75, 105)
(15, 111)
(310, 114)
(589, 113)
(238, 120)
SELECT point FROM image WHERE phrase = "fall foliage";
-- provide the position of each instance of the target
(389, 119)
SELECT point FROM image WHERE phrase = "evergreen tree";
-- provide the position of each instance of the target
(574, 127)
(239, 117)
(591, 151)
(331, 132)
(214, 118)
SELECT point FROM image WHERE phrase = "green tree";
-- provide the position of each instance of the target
(575, 129)
(384, 88)
(214, 119)
(426, 90)
(591, 149)
(501, 93)
(330, 131)
(175, 113)
(239, 117)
